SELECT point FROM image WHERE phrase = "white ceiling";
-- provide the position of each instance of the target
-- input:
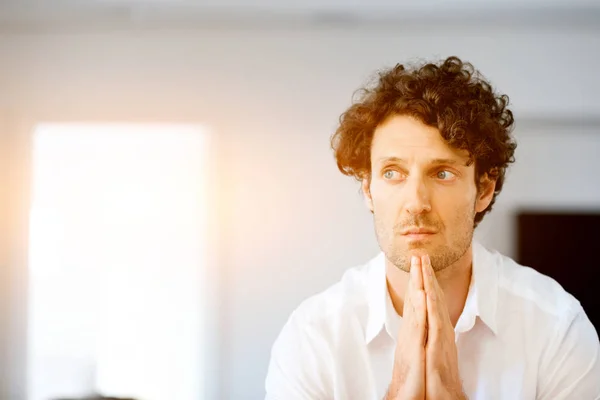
(320, 5)
(31, 15)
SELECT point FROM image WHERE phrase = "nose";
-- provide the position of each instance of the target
(417, 196)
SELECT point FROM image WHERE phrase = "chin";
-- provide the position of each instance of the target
(419, 247)
(421, 251)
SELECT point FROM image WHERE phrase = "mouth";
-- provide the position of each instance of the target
(418, 236)
(418, 233)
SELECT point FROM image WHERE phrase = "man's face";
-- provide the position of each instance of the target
(422, 194)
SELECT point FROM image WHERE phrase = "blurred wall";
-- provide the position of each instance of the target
(290, 223)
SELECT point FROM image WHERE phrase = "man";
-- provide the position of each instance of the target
(435, 315)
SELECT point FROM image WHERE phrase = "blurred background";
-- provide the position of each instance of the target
(168, 191)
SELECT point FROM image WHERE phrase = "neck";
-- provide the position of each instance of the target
(454, 281)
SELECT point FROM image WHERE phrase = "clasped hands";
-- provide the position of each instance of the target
(425, 360)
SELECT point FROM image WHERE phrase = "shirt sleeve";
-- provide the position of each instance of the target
(299, 359)
(571, 369)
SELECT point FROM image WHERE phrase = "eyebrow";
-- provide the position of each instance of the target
(435, 161)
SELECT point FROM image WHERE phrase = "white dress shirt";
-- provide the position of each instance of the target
(520, 336)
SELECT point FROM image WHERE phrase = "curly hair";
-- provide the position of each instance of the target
(452, 97)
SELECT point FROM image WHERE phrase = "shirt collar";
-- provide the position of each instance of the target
(484, 278)
(481, 300)
(376, 297)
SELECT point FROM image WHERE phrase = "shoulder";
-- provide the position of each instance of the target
(559, 333)
(342, 307)
(533, 291)
(546, 323)
(303, 353)
(344, 299)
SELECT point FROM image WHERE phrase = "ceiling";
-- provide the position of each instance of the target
(52, 15)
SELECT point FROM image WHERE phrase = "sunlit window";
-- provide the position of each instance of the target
(117, 256)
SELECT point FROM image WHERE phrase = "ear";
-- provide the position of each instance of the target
(485, 193)
(366, 189)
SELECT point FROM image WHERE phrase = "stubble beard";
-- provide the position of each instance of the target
(398, 251)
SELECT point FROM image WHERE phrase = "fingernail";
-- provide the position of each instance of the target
(414, 260)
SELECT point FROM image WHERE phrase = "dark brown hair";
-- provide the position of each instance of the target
(451, 96)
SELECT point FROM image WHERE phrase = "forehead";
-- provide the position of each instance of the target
(409, 139)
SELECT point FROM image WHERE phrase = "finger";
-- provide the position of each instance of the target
(412, 286)
(429, 280)
(436, 284)
(415, 304)
(416, 274)
(434, 321)
(420, 317)
(439, 293)
(408, 305)
(420, 302)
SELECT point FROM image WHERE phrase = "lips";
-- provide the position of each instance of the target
(418, 235)
(418, 231)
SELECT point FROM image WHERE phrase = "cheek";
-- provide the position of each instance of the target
(454, 207)
(384, 196)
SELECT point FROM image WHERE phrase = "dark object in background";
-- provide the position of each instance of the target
(566, 247)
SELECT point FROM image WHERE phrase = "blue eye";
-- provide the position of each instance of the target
(389, 174)
(445, 175)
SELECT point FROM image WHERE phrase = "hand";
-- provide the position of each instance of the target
(408, 377)
(441, 360)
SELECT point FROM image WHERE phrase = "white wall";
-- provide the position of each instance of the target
(291, 223)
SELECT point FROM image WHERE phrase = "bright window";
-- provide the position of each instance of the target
(117, 256)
